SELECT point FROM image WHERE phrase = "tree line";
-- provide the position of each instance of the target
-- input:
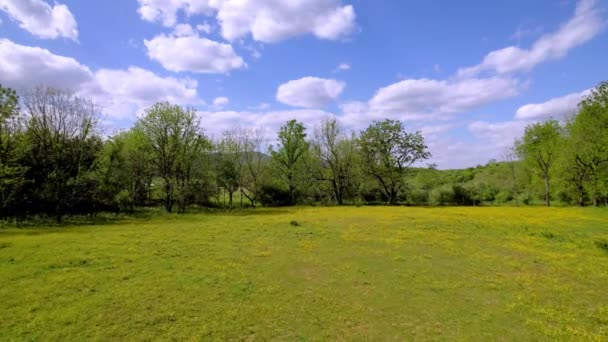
(572, 156)
(55, 162)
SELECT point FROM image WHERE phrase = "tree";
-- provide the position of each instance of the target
(335, 158)
(175, 138)
(288, 158)
(428, 179)
(588, 137)
(252, 160)
(62, 142)
(228, 165)
(539, 148)
(125, 171)
(11, 173)
(510, 157)
(388, 151)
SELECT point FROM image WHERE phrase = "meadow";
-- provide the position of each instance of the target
(340, 273)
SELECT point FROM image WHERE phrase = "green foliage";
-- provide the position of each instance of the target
(176, 141)
(288, 159)
(55, 163)
(539, 148)
(388, 151)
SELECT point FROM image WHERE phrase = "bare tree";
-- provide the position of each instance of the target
(62, 131)
(252, 159)
(336, 158)
(510, 156)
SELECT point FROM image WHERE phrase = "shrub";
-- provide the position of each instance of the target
(443, 195)
(504, 196)
(273, 196)
(418, 197)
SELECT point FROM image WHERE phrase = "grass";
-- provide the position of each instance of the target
(369, 273)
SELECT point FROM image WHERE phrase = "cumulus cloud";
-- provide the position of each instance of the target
(265, 21)
(204, 27)
(582, 27)
(181, 30)
(427, 98)
(309, 92)
(123, 93)
(193, 53)
(557, 108)
(24, 66)
(42, 20)
(120, 93)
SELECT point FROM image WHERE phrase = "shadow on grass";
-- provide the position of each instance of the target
(41, 224)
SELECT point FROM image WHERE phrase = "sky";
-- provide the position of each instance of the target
(470, 74)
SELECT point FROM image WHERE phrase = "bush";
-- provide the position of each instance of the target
(504, 196)
(465, 195)
(272, 195)
(418, 197)
(443, 195)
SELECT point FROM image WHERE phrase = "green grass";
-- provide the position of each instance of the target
(370, 273)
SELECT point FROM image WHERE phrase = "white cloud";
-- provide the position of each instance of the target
(269, 121)
(220, 101)
(193, 53)
(557, 108)
(42, 20)
(342, 67)
(266, 21)
(120, 93)
(502, 134)
(427, 99)
(165, 11)
(204, 27)
(181, 30)
(586, 24)
(24, 67)
(310, 92)
(123, 93)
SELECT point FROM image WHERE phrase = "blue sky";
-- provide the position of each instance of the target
(470, 74)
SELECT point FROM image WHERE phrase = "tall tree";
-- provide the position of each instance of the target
(11, 173)
(588, 135)
(252, 162)
(388, 151)
(175, 137)
(228, 165)
(335, 158)
(288, 158)
(125, 171)
(510, 157)
(539, 148)
(62, 144)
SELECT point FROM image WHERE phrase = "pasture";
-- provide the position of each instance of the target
(368, 273)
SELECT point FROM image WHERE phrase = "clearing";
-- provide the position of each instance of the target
(369, 273)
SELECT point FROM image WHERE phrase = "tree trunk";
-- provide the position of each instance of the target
(168, 197)
(547, 191)
(581, 197)
(292, 199)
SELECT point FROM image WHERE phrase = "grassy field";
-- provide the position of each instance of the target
(369, 273)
